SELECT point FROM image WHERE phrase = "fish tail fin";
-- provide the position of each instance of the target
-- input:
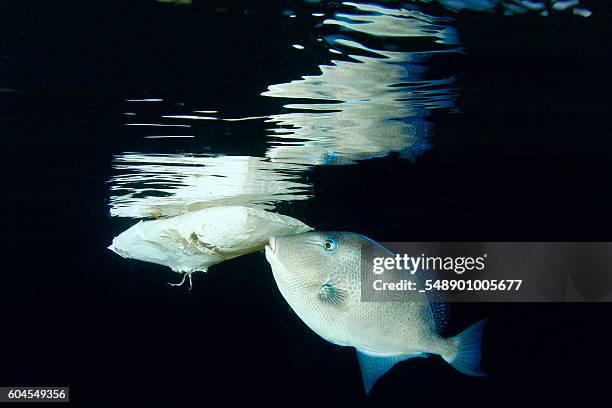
(465, 355)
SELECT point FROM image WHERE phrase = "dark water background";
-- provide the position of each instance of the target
(525, 157)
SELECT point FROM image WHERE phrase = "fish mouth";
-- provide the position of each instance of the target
(271, 247)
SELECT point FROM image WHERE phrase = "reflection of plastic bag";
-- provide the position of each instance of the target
(194, 241)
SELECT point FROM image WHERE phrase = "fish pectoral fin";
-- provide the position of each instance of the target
(332, 294)
(375, 366)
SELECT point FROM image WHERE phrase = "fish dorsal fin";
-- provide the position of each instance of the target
(375, 366)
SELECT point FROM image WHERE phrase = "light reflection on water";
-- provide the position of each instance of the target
(371, 103)
(376, 97)
(388, 22)
(158, 185)
(372, 100)
(512, 7)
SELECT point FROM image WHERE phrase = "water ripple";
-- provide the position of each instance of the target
(373, 102)
(388, 75)
(158, 185)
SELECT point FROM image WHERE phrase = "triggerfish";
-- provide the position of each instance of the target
(319, 275)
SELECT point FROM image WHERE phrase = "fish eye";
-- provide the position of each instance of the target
(330, 245)
(330, 158)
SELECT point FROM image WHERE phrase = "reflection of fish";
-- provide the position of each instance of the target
(195, 241)
(319, 274)
(375, 101)
(345, 139)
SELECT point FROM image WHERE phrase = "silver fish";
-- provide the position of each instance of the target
(319, 274)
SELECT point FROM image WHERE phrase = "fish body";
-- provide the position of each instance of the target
(196, 240)
(320, 276)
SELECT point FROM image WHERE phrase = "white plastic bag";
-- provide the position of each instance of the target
(194, 241)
